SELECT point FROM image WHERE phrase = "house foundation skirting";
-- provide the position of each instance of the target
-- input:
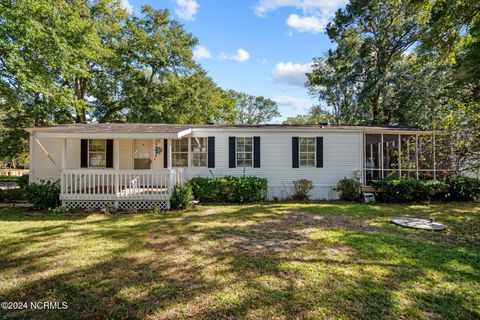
(119, 204)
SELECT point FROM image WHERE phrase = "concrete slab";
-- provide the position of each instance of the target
(417, 223)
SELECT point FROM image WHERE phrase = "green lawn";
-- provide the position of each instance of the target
(282, 261)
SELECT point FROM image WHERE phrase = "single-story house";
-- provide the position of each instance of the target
(137, 165)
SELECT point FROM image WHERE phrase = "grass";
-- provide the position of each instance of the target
(282, 261)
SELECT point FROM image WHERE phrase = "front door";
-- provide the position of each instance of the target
(142, 154)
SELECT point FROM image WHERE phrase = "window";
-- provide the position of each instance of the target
(199, 152)
(97, 153)
(180, 153)
(307, 152)
(244, 152)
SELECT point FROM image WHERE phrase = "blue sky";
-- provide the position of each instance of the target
(261, 47)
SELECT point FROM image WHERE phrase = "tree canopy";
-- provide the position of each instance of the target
(75, 61)
(253, 110)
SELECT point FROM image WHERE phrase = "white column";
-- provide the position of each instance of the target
(64, 154)
(416, 154)
(169, 155)
(116, 154)
(31, 165)
(399, 155)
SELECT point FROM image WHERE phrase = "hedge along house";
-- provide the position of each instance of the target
(137, 165)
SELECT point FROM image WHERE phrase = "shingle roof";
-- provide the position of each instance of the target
(173, 128)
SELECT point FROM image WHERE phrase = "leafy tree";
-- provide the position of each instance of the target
(316, 115)
(452, 39)
(74, 61)
(254, 110)
(355, 78)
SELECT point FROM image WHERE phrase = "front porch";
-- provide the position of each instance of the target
(124, 189)
(108, 165)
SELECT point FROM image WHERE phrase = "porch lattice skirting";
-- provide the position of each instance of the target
(124, 205)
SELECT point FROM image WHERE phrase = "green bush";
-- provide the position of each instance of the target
(301, 188)
(409, 190)
(229, 189)
(182, 197)
(11, 195)
(23, 181)
(464, 188)
(350, 189)
(43, 195)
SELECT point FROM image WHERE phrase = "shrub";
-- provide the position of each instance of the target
(23, 181)
(409, 190)
(182, 197)
(60, 210)
(229, 189)
(463, 188)
(350, 189)
(11, 195)
(301, 188)
(153, 209)
(43, 195)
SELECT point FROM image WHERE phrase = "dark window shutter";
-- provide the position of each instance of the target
(295, 163)
(84, 153)
(109, 153)
(256, 152)
(319, 152)
(165, 151)
(211, 152)
(231, 152)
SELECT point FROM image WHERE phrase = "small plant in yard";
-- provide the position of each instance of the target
(109, 210)
(182, 197)
(301, 188)
(349, 189)
(43, 195)
(153, 209)
(60, 210)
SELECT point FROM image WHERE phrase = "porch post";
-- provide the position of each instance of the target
(31, 165)
(64, 154)
(63, 182)
(169, 162)
(116, 154)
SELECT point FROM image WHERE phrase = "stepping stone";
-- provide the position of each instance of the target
(416, 223)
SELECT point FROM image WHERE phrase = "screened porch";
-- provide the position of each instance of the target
(412, 156)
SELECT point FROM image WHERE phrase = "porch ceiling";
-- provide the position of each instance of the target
(113, 130)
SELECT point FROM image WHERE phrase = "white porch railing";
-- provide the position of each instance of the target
(108, 184)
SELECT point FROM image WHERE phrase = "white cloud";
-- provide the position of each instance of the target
(241, 56)
(201, 52)
(312, 24)
(307, 6)
(316, 13)
(186, 9)
(298, 103)
(127, 6)
(291, 73)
